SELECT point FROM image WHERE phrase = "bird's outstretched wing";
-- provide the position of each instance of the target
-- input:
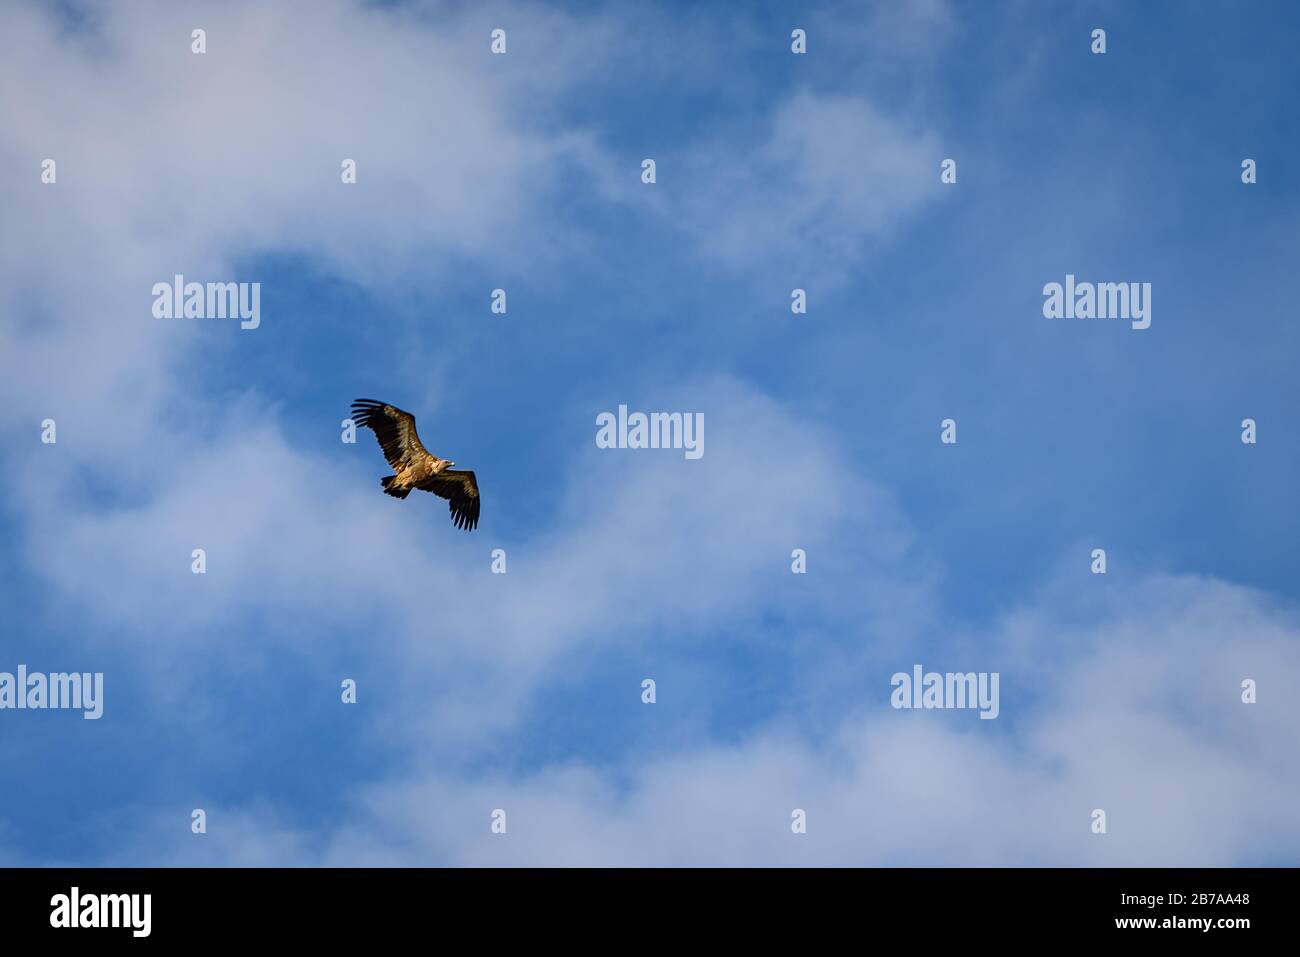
(395, 430)
(460, 489)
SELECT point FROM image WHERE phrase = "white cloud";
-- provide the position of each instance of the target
(173, 162)
(299, 547)
(832, 175)
(1142, 718)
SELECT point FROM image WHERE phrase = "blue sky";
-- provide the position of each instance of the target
(775, 171)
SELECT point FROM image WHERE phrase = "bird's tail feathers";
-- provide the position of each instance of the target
(387, 482)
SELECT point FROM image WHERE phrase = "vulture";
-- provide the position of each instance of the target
(414, 465)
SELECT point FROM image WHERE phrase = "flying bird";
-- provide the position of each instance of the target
(414, 465)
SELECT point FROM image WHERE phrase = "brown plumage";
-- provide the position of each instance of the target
(414, 465)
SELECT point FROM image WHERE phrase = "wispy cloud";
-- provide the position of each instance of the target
(832, 174)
